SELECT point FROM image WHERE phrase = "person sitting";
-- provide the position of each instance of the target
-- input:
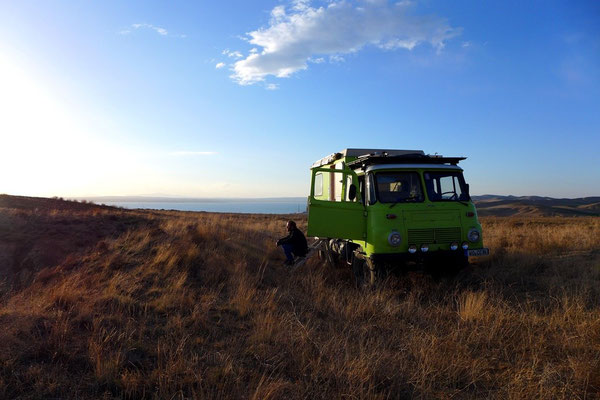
(294, 244)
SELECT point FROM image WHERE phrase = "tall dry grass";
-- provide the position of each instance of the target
(197, 305)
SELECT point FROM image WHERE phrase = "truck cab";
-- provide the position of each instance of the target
(381, 209)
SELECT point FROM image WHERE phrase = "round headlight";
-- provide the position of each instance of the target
(394, 239)
(412, 249)
(424, 248)
(465, 245)
(453, 245)
(473, 235)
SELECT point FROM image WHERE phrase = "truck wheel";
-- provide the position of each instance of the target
(367, 273)
(362, 273)
(378, 271)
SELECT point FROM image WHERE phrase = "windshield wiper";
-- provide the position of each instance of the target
(455, 197)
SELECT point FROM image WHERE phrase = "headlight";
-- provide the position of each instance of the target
(394, 239)
(465, 245)
(453, 245)
(424, 248)
(412, 249)
(473, 235)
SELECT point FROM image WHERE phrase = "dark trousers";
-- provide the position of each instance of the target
(288, 249)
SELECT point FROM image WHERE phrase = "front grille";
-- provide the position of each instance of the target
(420, 236)
(433, 236)
(447, 235)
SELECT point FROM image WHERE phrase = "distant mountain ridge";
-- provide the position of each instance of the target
(504, 206)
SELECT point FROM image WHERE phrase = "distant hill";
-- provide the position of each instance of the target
(44, 203)
(505, 206)
(487, 205)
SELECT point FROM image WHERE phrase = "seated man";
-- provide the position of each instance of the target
(294, 244)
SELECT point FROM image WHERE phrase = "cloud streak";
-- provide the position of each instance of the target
(232, 54)
(157, 29)
(300, 33)
(192, 153)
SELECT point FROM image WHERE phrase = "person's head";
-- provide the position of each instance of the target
(291, 225)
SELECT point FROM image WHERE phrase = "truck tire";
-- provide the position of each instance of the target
(368, 272)
(361, 272)
(378, 271)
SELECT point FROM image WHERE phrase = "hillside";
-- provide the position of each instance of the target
(100, 302)
(536, 206)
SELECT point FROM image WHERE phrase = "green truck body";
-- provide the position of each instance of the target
(393, 206)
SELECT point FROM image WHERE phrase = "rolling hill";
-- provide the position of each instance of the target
(536, 206)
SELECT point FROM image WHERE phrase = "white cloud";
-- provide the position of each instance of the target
(300, 5)
(220, 65)
(192, 153)
(233, 54)
(272, 86)
(157, 29)
(302, 32)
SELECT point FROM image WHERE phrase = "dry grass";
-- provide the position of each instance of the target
(195, 305)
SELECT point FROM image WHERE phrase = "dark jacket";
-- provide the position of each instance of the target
(297, 240)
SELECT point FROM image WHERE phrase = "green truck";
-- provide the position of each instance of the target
(380, 210)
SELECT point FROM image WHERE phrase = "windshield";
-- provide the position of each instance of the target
(446, 186)
(394, 187)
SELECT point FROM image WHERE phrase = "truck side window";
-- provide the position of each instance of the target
(371, 189)
(335, 185)
(361, 188)
(348, 183)
(318, 184)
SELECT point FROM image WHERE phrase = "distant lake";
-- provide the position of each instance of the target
(258, 206)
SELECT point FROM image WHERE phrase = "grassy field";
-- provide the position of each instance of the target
(97, 302)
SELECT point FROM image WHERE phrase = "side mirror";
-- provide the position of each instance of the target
(352, 192)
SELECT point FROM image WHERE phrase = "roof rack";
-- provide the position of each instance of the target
(364, 161)
(361, 153)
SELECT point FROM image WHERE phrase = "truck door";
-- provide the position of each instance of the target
(336, 216)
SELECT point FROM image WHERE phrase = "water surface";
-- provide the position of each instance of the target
(230, 206)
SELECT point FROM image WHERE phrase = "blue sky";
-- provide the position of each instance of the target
(238, 98)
